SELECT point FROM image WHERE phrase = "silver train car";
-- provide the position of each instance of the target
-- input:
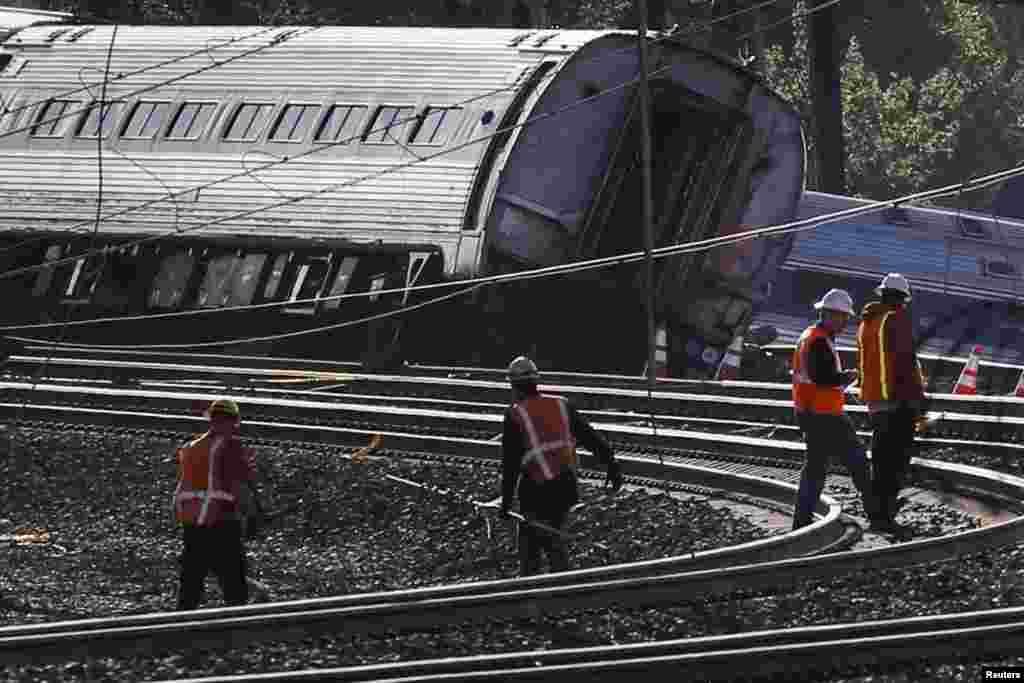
(251, 165)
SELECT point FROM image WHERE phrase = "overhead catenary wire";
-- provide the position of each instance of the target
(333, 187)
(550, 271)
(325, 146)
(579, 266)
(99, 205)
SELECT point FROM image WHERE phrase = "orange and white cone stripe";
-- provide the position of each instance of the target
(729, 368)
(968, 381)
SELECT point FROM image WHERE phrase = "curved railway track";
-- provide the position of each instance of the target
(989, 421)
(756, 567)
(793, 652)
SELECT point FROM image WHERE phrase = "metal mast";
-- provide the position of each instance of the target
(645, 170)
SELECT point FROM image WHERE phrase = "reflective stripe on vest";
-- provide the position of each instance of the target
(883, 365)
(809, 397)
(206, 489)
(546, 452)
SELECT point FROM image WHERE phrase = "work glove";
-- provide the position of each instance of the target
(614, 475)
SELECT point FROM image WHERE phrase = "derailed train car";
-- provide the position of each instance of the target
(247, 165)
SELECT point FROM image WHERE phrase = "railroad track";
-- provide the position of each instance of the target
(794, 652)
(755, 567)
(989, 421)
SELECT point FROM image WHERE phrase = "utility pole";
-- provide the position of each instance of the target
(645, 171)
(826, 98)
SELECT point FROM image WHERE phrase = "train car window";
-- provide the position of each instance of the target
(190, 120)
(146, 119)
(342, 281)
(248, 122)
(55, 118)
(10, 115)
(45, 276)
(377, 284)
(91, 123)
(436, 125)
(84, 277)
(171, 280)
(309, 282)
(245, 279)
(1000, 269)
(389, 125)
(215, 289)
(312, 275)
(294, 123)
(341, 124)
(276, 275)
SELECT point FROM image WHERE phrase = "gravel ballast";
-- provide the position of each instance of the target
(105, 499)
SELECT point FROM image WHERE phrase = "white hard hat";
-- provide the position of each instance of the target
(896, 282)
(522, 369)
(836, 300)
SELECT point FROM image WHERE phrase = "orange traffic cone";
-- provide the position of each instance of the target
(660, 353)
(729, 368)
(1019, 391)
(968, 381)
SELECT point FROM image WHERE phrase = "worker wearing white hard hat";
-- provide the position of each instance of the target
(819, 382)
(892, 387)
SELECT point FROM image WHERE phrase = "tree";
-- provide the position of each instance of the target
(907, 132)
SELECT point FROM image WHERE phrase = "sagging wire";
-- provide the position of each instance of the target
(267, 338)
(40, 374)
(252, 174)
(696, 246)
(337, 186)
(667, 37)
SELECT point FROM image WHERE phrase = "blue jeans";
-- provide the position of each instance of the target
(824, 435)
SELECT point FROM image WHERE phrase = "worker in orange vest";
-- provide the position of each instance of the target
(892, 387)
(212, 470)
(539, 451)
(819, 382)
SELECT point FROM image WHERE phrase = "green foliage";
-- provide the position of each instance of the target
(904, 134)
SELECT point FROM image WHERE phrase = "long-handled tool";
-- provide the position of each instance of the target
(492, 506)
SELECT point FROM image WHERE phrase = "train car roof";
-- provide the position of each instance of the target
(373, 58)
(14, 18)
(462, 60)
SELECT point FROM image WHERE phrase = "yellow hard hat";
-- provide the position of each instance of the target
(223, 406)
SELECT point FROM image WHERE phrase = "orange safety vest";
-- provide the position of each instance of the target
(809, 397)
(880, 376)
(550, 445)
(203, 497)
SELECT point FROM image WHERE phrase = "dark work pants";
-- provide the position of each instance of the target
(533, 540)
(825, 435)
(218, 549)
(892, 446)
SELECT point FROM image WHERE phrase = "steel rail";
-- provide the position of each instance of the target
(649, 583)
(567, 377)
(992, 434)
(795, 652)
(772, 399)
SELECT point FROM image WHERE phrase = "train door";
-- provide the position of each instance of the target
(391, 339)
(700, 176)
(170, 286)
(124, 280)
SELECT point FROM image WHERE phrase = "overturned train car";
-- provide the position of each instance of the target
(246, 165)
